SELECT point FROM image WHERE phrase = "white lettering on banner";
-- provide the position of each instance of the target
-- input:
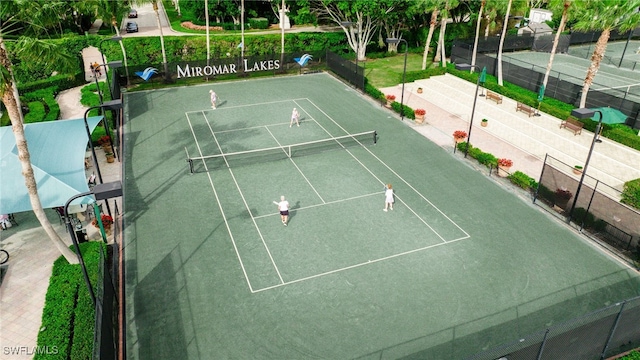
(209, 70)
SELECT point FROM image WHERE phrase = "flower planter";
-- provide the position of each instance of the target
(458, 140)
(419, 119)
(484, 123)
(110, 158)
(419, 90)
(577, 170)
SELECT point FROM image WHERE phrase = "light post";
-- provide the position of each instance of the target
(404, 71)
(100, 192)
(465, 67)
(584, 113)
(350, 24)
(109, 105)
(113, 64)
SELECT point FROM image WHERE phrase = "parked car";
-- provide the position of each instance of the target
(133, 13)
(132, 26)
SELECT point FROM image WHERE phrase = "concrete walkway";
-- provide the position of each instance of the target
(526, 140)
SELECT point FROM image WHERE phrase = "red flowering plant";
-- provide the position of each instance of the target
(391, 97)
(420, 112)
(106, 221)
(104, 140)
(505, 162)
(459, 134)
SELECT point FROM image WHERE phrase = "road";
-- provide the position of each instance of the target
(148, 25)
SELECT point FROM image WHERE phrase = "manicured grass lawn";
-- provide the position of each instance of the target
(387, 71)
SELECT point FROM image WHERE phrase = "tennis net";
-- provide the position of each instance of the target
(241, 158)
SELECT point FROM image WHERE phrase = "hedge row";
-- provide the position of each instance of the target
(551, 106)
(68, 317)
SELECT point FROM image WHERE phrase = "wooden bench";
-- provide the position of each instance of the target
(495, 97)
(525, 108)
(573, 125)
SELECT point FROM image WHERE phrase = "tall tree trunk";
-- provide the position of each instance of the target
(486, 28)
(164, 52)
(475, 42)
(556, 40)
(206, 20)
(502, 36)
(10, 100)
(114, 23)
(596, 59)
(432, 26)
(443, 52)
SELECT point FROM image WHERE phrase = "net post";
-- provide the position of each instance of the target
(189, 160)
(375, 137)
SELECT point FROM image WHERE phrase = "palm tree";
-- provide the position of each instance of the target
(115, 10)
(441, 51)
(432, 26)
(621, 15)
(475, 42)
(566, 4)
(502, 36)
(48, 54)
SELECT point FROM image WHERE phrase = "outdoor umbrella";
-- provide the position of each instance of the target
(540, 98)
(611, 116)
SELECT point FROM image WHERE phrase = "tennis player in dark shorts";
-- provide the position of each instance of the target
(283, 206)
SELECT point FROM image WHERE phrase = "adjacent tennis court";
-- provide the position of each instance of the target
(459, 265)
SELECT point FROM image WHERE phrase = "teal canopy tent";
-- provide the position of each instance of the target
(610, 116)
(57, 150)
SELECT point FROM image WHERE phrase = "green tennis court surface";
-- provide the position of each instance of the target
(459, 265)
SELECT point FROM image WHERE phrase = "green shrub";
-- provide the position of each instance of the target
(487, 159)
(522, 180)
(373, 92)
(546, 193)
(412, 76)
(259, 23)
(36, 112)
(631, 193)
(408, 112)
(68, 317)
(581, 214)
(634, 355)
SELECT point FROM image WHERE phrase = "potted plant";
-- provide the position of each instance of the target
(577, 169)
(419, 90)
(562, 196)
(110, 157)
(459, 135)
(484, 122)
(419, 113)
(504, 165)
(390, 99)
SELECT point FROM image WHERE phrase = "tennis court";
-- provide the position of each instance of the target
(459, 265)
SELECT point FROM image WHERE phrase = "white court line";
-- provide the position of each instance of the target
(250, 127)
(245, 105)
(323, 204)
(374, 175)
(351, 267)
(605, 73)
(245, 204)
(226, 223)
(294, 164)
(394, 172)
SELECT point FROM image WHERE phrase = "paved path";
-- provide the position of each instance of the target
(510, 134)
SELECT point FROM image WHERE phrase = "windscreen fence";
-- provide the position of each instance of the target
(597, 335)
(346, 69)
(560, 86)
(598, 212)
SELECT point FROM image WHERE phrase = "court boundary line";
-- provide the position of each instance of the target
(226, 223)
(318, 205)
(371, 172)
(244, 105)
(282, 282)
(390, 169)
